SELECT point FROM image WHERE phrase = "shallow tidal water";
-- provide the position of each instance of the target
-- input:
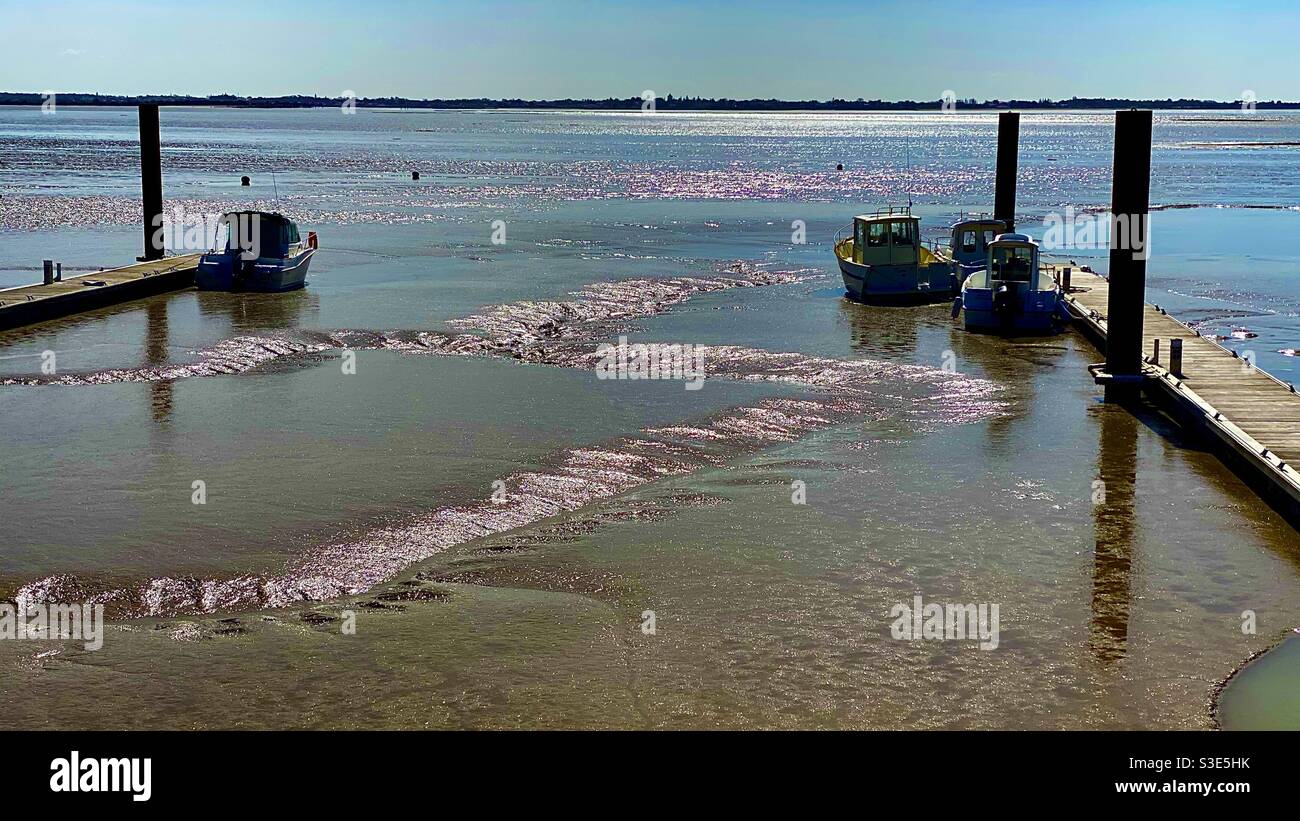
(371, 493)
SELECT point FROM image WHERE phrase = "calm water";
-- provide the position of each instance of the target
(372, 491)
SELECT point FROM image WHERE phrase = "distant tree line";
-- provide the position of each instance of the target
(667, 103)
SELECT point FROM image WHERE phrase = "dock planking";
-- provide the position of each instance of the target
(1253, 415)
(29, 304)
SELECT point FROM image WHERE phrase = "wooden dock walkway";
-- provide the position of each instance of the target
(28, 304)
(1253, 416)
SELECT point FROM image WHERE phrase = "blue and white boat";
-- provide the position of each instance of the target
(885, 262)
(263, 252)
(1010, 294)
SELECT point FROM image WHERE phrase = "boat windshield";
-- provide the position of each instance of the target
(1013, 264)
(876, 236)
(902, 234)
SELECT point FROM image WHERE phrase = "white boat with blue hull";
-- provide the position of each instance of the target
(885, 262)
(264, 253)
(1010, 294)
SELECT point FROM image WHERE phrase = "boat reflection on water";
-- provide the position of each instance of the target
(245, 312)
(889, 335)
(242, 313)
(1019, 365)
(926, 336)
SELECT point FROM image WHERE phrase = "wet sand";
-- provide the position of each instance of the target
(769, 614)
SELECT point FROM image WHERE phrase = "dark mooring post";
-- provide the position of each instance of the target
(1129, 199)
(1004, 191)
(151, 179)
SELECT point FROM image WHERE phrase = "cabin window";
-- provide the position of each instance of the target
(1014, 264)
(876, 237)
(968, 245)
(988, 238)
(902, 233)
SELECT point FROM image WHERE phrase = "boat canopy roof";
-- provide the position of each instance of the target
(886, 217)
(1014, 239)
(270, 216)
(888, 213)
(979, 222)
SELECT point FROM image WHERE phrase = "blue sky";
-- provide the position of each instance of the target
(566, 48)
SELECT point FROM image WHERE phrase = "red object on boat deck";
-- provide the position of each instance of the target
(311, 239)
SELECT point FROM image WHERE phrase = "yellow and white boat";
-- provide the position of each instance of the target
(884, 261)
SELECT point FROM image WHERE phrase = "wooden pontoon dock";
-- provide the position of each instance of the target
(1251, 417)
(28, 304)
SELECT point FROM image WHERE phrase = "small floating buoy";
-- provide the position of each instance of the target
(415, 175)
(245, 181)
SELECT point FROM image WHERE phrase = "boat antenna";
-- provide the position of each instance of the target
(276, 188)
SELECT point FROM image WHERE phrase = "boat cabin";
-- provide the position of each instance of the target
(1013, 258)
(261, 234)
(886, 239)
(971, 239)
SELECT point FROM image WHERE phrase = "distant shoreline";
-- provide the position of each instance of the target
(666, 103)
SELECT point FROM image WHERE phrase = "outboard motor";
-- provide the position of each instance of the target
(1005, 302)
(242, 268)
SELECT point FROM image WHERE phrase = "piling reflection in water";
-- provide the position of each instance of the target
(241, 312)
(155, 353)
(1114, 524)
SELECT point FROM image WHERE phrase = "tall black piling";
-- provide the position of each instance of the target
(151, 180)
(1129, 201)
(1004, 192)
